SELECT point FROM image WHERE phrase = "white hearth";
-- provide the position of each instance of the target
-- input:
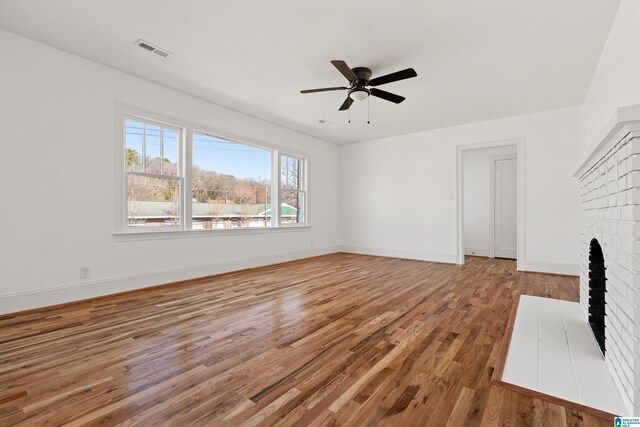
(553, 352)
(610, 213)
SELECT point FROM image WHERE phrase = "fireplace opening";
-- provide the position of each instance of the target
(597, 289)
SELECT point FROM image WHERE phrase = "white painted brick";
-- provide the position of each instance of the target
(609, 200)
(633, 162)
(613, 213)
(621, 198)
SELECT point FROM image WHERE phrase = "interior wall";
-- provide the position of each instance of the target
(476, 185)
(57, 120)
(615, 82)
(58, 132)
(401, 190)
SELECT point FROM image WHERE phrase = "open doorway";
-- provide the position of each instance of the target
(490, 196)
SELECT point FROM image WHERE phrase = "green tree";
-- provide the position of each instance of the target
(132, 158)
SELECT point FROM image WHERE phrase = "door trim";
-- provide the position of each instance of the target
(492, 198)
(520, 144)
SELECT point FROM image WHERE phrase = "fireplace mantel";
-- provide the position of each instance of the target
(625, 120)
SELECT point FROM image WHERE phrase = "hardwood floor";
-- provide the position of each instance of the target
(334, 340)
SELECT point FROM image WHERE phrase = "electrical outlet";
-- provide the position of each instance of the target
(85, 272)
(312, 244)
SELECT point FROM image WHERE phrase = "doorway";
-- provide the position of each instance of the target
(490, 200)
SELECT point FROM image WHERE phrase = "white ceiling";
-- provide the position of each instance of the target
(476, 60)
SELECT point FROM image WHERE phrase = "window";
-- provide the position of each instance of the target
(152, 174)
(292, 194)
(180, 178)
(231, 184)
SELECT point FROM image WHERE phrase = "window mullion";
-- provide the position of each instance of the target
(144, 147)
(187, 167)
(302, 185)
(161, 151)
(275, 191)
(126, 200)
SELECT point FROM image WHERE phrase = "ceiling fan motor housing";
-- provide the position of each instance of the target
(363, 74)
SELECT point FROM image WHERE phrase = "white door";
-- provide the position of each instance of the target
(504, 208)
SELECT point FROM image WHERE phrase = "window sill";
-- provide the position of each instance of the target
(132, 236)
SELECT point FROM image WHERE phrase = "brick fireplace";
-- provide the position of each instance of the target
(610, 216)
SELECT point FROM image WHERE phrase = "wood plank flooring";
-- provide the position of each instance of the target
(339, 340)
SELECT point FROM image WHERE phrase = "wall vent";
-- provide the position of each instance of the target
(151, 48)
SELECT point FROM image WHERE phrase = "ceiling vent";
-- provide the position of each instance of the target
(151, 48)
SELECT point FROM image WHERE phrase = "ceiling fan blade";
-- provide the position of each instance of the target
(346, 104)
(324, 89)
(393, 77)
(388, 96)
(344, 69)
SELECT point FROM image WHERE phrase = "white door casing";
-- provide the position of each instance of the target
(520, 144)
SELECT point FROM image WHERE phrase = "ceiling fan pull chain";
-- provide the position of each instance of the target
(349, 110)
(368, 109)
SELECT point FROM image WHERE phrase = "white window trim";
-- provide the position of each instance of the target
(124, 233)
(180, 177)
(302, 189)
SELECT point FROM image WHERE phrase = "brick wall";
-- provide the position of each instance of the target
(610, 212)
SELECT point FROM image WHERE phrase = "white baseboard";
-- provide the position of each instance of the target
(399, 253)
(26, 300)
(19, 301)
(552, 267)
(476, 251)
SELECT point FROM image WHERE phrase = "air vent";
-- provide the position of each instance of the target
(151, 48)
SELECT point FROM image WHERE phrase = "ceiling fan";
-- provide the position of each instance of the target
(360, 78)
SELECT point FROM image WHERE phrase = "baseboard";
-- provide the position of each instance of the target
(552, 267)
(399, 253)
(43, 297)
(476, 252)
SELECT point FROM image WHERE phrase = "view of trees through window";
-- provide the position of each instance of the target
(231, 183)
(291, 189)
(152, 178)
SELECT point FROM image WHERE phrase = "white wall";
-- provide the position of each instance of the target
(57, 125)
(476, 183)
(616, 82)
(399, 190)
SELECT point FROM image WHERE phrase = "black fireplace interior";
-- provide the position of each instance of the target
(597, 289)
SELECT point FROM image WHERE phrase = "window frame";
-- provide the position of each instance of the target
(180, 177)
(302, 187)
(271, 150)
(185, 162)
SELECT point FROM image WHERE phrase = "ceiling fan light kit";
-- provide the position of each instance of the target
(359, 81)
(359, 94)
